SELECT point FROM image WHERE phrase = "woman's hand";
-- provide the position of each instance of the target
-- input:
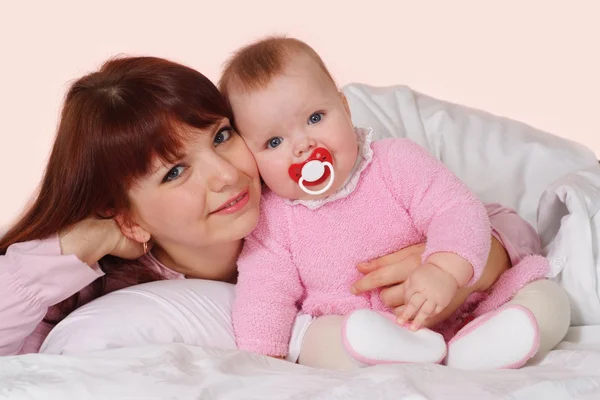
(388, 273)
(93, 238)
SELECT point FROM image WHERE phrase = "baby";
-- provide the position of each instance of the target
(334, 200)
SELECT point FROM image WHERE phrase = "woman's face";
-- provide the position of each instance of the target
(209, 197)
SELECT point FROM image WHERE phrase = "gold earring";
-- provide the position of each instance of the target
(145, 247)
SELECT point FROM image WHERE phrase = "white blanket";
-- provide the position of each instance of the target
(183, 372)
(501, 160)
(569, 227)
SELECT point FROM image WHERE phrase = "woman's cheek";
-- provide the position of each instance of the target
(247, 163)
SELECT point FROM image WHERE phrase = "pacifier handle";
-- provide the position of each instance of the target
(323, 190)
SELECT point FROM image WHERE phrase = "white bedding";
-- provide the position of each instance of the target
(177, 371)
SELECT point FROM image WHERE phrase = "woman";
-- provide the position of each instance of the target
(146, 181)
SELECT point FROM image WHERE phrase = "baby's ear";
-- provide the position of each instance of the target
(346, 105)
(132, 230)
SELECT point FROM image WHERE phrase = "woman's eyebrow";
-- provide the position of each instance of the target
(165, 165)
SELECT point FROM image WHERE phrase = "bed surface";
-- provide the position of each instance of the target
(183, 372)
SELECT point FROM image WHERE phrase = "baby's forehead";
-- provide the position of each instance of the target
(307, 67)
(298, 65)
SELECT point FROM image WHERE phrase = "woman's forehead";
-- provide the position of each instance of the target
(188, 137)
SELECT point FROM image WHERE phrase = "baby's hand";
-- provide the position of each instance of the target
(427, 291)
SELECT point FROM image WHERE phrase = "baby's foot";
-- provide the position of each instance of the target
(372, 338)
(505, 338)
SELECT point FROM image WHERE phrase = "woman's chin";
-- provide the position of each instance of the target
(244, 225)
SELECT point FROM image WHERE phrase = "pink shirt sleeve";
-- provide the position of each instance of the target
(33, 277)
(442, 208)
(268, 287)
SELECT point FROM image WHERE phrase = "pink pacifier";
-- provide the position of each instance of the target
(314, 171)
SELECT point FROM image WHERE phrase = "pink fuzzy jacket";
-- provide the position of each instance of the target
(301, 258)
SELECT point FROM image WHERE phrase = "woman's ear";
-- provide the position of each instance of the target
(131, 230)
(346, 105)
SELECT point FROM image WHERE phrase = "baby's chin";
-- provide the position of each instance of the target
(295, 193)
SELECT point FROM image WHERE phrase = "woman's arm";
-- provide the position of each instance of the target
(38, 274)
(389, 273)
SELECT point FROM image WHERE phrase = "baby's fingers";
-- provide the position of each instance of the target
(427, 310)
(412, 307)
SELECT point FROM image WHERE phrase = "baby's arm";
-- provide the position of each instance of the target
(267, 292)
(444, 211)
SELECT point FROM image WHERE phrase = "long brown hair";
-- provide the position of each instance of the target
(113, 124)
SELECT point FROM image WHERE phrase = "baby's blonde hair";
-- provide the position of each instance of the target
(253, 66)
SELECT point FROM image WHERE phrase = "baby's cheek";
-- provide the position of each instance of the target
(269, 169)
(275, 175)
(275, 180)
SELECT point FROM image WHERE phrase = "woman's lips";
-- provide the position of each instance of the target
(234, 204)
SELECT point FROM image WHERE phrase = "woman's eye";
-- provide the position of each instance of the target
(222, 136)
(274, 142)
(315, 118)
(174, 173)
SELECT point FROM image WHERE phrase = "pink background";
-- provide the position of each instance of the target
(529, 60)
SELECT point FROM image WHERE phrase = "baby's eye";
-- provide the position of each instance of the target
(274, 142)
(315, 118)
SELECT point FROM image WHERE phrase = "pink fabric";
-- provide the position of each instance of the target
(529, 269)
(34, 276)
(304, 258)
(522, 243)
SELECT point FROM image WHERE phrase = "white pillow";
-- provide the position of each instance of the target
(501, 160)
(191, 311)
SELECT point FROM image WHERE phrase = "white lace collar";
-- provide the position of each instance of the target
(365, 156)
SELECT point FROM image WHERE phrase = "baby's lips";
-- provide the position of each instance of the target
(321, 154)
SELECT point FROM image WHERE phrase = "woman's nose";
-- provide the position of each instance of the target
(222, 175)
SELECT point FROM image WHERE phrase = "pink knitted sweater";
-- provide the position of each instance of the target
(305, 259)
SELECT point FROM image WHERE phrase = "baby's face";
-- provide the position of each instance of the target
(284, 123)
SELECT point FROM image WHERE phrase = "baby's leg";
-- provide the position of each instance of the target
(549, 304)
(322, 346)
(533, 322)
(366, 338)
(540, 302)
